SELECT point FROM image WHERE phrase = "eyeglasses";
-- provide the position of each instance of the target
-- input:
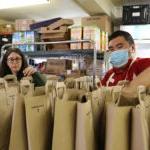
(14, 60)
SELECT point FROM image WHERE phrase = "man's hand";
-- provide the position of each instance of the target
(130, 90)
(29, 71)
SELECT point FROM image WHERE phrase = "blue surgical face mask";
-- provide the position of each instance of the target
(119, 58)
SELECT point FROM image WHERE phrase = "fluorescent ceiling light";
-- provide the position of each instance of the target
(4, 4)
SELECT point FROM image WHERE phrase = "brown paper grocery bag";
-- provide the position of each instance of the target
(102, 97)
(98, 106)
(111, 94)
(55, 91)
(11, 79)
(140, 136)
(8, 93)
(147, 107)
(85, 137)
(18, 138)
(38, 120)
(126, 126)
(70, 82)
(40, 90)
(85, 83)
(74, 95)
(64, 125)
(26, 87)
(6, 117)
(97, 103)
(147, 111)
(12, 87)
(118, 127)
(60, 89)
(139, 133)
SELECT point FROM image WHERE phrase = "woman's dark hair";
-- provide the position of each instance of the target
(124, 34)
(5, 70)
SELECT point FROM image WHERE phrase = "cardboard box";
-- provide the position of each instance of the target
(103, 22)
(76, 34)
(60, 47)
(58, 66)
(104, 41)
(59, 34)
(58, 30)
(100, 67)
(37, 25)
(76, 74)
(57, 46)
(53, 36)
(61, 22)
(6, 28)
(91, 33)
(23, 24)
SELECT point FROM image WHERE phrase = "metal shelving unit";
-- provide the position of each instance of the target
(58, 53)
(65, 53)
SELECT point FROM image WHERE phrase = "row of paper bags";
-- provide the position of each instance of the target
(56, 118)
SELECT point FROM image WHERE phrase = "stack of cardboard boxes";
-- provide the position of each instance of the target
(95, 28)
(99, 37)
(92, 33)
(103, 22)
(100, 67)
(57, 31)
(58, 66)
(76, 34)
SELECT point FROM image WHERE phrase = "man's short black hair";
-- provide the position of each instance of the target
(124, 34)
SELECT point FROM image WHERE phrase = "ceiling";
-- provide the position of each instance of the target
(57, 8)
(117, 2)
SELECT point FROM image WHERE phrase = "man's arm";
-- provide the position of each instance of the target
(130, 91)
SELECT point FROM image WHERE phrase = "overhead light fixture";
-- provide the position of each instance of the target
(4, 4)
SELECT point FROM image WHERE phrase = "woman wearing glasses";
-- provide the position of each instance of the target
(14, 62)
